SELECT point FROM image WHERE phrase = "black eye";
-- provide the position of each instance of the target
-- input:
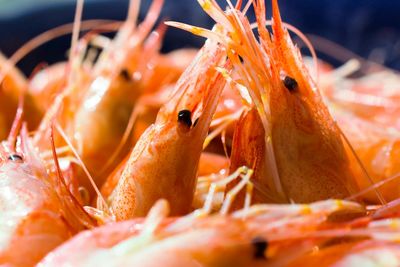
(290, 83)
(15, 158)
(184, 116)
(260, 245)
(125, 74)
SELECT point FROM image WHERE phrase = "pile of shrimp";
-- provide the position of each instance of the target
(241, 153)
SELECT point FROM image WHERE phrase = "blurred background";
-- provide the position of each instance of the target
(369, 28)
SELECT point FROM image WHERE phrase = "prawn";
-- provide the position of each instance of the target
(378, 150)
(87, 105)
(248, 237)
(38, 211)
(163, 163)
(305, 158)
(358, 110)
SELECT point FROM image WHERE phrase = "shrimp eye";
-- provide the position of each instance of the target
(15, 158)
(184, 116)
(125, 74)
(260, 245)
(290, 83)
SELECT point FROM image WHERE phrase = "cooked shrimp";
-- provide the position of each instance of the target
(163, 163)
(87, 105)
(368, 120)
(374, 96)
(377, 148)
(37, 211)
(305, 159)
(238, 239)
(113, 93)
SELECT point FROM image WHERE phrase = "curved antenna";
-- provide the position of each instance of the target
(76, 25)
(133, 12)
(76, 154)
(17, 123)
(73, 57)
(136, 111)
(246, 8)
(374, 186)
(361, 165)
(63, 186)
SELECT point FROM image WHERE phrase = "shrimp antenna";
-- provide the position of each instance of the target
(136, 111)
(374, 186)
(246, 8)
(17, 123)
(88, 222)
(77, 24)
(76, 154)
(133, 11)
(364, 170)
(238, 4)
(74, 39)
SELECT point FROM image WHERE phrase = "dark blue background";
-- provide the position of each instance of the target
(362, 26)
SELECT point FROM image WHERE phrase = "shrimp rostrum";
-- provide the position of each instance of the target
(298, 154)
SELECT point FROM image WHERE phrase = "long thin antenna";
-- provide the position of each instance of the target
(77, 24)
(76, 154)
(133, 11)
(75, 38)
(17, 123)
(364, 170)
(374, 186)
